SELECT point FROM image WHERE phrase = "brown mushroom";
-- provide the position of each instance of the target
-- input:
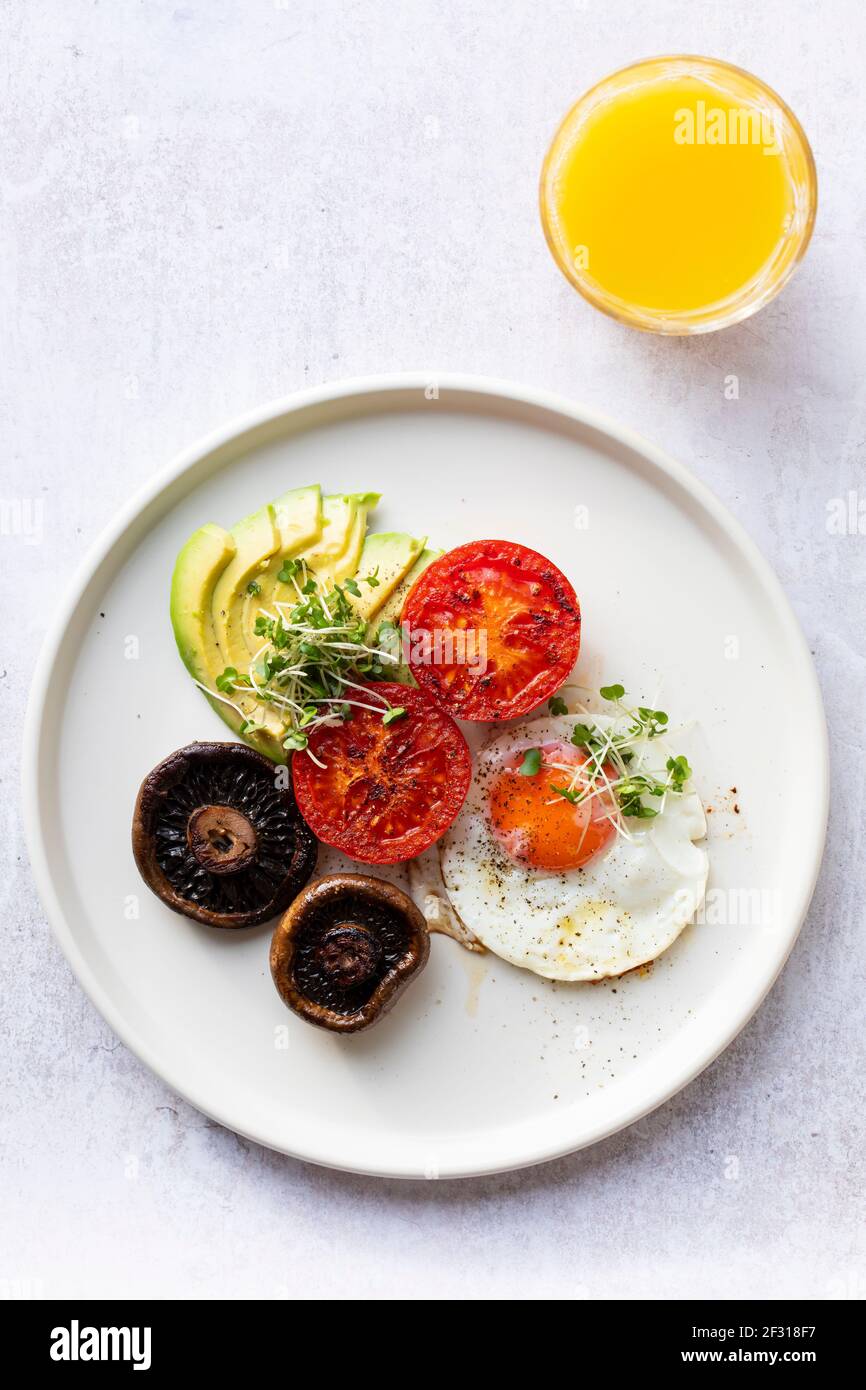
(217, 837)
(347, 947)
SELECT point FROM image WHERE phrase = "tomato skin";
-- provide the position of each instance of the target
(529, 615)
(388, 791)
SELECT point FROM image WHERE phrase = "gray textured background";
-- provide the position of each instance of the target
(212, 203)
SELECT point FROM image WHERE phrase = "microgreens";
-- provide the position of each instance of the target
(610, 769)
(315, 659)
(531, 764)
(288, 571)
(570, 794)
(229, 679)
(651, 721)
(630, 790)
(556, 705)
(680, 772)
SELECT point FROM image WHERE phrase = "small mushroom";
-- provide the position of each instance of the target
(347, 947)
(218, 838)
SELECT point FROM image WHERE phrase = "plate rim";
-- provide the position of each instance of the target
(34, 731)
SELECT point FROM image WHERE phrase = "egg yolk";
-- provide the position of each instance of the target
(539, 827)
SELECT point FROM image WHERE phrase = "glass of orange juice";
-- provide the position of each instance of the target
(679, 195)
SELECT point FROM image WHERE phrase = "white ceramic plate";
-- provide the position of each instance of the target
(481, 1066)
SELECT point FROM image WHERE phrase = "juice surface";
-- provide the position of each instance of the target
(666, 223)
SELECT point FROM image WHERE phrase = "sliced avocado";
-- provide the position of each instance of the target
(298, 518)
(256, 539)
(389, 555)
(351, 556)
(298, 515)
(344, 523)
(197, 570)
(391, 611)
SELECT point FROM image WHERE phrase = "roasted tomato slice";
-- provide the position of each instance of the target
(494, 629)
(386, 791)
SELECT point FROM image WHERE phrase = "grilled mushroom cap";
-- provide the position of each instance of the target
(218, 839)
(347, 947)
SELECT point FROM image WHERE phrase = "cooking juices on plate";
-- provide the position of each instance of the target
(568, 845)
(679, 194)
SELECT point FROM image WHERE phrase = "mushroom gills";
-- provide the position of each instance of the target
(251, 881)
(344, 950)
(218, 839)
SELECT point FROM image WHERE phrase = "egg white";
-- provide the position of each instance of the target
(621, 909)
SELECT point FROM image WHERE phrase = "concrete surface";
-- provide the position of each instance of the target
(209, 204)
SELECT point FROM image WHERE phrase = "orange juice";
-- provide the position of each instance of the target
(679, 194)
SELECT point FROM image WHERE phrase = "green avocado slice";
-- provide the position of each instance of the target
(197, 570)
(223, 580)
(298, 514)
(344, 524)
(298, 518)
(256, 539)
(198, 567)
(331, 554)
(389, 555)
(394, 607)
(391, 611)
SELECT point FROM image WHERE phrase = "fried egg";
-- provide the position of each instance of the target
(428, 892)
(571, 891)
